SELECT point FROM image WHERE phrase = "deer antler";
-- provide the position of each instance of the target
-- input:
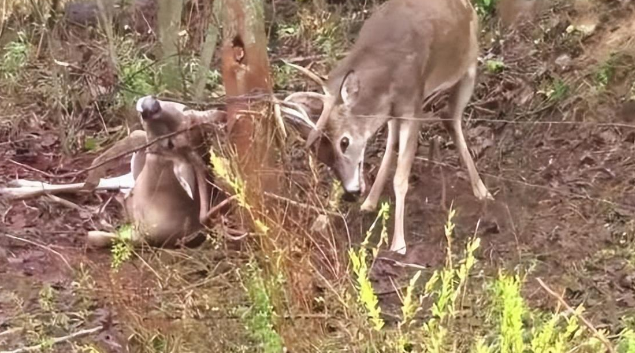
(327, 98)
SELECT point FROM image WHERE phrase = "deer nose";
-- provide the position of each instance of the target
(351, 196)
(148, 107)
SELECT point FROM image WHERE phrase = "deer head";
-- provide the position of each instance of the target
(342, 147)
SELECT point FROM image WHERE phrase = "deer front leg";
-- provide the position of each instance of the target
(201, 185)
(459, 97)
(370, 204)
(408, 131)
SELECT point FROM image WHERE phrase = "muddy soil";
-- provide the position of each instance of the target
(564, 199)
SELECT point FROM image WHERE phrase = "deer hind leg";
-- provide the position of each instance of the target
(408, 132)
(459, 97)
(372, 199)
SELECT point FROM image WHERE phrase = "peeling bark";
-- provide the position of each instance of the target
(245, 69)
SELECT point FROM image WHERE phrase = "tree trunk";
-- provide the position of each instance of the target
(245, 70)
(169, 24)
(207, 52)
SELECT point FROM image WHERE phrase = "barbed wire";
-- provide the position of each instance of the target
(273, 98)
(535, 186)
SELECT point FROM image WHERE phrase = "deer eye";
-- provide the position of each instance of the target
(344, 144)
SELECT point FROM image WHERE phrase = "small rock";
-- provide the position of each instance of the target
(627, 112)
(563, 62)
(627, 280)
(3, 257)
(320, 224)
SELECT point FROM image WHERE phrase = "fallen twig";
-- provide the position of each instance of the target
(40, 246)
(300, 205)
(586, 323)
(140, 148)
(56, 340)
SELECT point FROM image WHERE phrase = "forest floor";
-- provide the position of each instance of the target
(550, 125)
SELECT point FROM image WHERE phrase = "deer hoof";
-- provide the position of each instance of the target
(368, 206)
(400, 251)
(99, 239)
(481, 192)
(485, 196)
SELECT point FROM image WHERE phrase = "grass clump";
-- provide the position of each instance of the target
(15, 59)
(510, 307)
(260, 317)
(365, 293)
(122, 248)
(485, 8)
(138, 73)
(446, 285)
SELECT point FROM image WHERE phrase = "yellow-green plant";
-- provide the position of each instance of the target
(626, 343)
(409, 307)
(550, 338)
(122, 248)
(15, 58)
(260, 316)
(366, 295)
(138, 73)
(511, 307)
(446, 285)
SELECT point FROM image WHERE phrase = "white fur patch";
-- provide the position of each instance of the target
(139, 105)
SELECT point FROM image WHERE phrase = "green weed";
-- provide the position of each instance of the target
(282, 75)
(555, 90)
(494, 66)
(322, 29)
(365, 294)
(511, 308)
(605, 72)
(485, 8)
(626, 341)
(446, 285)
(260, 316)
(122, 248)
(138, 74)
(16, 58)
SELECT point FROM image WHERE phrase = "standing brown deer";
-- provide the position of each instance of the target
(408, 53)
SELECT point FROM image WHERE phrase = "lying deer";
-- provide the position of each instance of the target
(408, 53)
(170, 198)
(166, 194)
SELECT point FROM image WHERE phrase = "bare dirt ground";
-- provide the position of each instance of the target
(564, 192)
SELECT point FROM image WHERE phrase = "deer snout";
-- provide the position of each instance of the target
(149, 107)
(353, 183)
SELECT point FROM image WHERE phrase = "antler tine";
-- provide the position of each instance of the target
(316, 95)
(324, 117)
(312, 75)
(205, 116)
(297, 111)
(326, 111)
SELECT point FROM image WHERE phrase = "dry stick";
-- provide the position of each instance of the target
(214, 210)
(597, 334)
(41, 246)
(56, 340)
(300, 205)
(82, 171)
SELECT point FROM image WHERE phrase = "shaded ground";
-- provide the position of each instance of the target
(564, 197)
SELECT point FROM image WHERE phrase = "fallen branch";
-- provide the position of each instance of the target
(56, 340)
(301, 205)
(23, 189)
(40, 246)
(120, 155)
(586, 323)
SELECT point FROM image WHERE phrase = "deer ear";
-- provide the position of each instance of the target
(184, 173)
(349, 91)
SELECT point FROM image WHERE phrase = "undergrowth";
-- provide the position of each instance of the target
(456, 308)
